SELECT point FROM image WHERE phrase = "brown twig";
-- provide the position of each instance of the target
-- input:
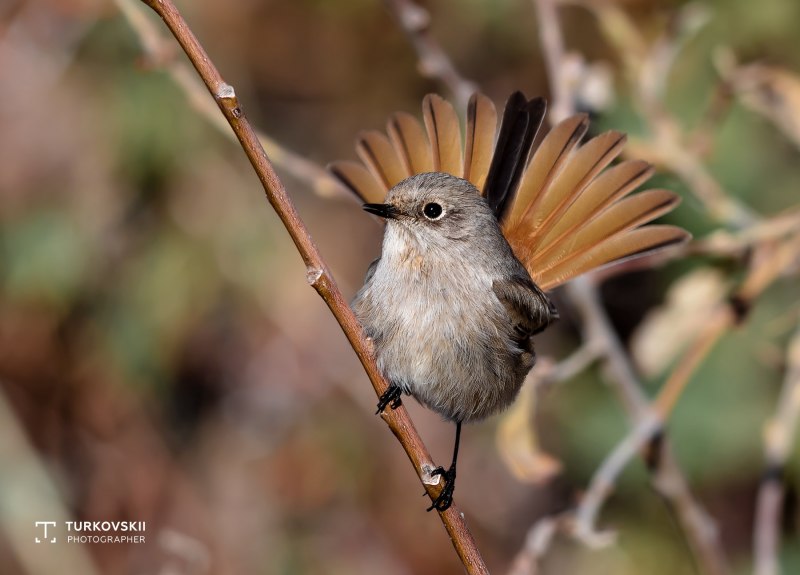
(318, 275)
(432, 60)
(721, 320)
(779, 438)
(739, 242)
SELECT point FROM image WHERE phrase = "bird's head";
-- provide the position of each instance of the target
(434, 209)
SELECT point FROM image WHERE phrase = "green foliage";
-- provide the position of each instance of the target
(45, 257)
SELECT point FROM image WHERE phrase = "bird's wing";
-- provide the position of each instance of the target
(562, 209)
(531, 311)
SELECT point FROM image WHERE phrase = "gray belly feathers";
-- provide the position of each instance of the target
(461, 364)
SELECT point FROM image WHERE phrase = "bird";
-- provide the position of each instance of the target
(478, 230)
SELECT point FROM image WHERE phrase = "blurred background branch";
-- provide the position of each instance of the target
(432, 61)
(161, 54)
(780, 435)
(597, 327)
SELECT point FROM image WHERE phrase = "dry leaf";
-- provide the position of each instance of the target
(518, 445)
(666, 330)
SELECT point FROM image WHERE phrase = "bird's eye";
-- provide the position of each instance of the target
(432, 211)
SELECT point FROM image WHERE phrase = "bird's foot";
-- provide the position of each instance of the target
(392, 397)
(445, 498)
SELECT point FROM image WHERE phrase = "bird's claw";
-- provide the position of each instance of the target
(391, 397)
(445, 498)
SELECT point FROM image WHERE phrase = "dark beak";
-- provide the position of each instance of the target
(387, 211)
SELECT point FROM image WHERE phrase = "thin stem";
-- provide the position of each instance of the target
(432, 60)
(605, 478)
(718, 324)
(318, 274)
(779, 439)
(553, 51)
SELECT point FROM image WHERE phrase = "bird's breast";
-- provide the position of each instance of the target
(441, 333)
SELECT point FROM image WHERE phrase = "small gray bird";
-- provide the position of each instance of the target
(472, 240)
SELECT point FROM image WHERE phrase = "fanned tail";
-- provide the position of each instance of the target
(411, 143)
(521, 121)
(613, 250)
(444, 134)
(573, 215)
(479, 139)
(562, 209)
(359, 180)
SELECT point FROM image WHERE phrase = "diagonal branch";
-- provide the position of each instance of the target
(318, 274)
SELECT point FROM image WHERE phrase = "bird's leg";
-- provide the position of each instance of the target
(392, 397)
(445, 498)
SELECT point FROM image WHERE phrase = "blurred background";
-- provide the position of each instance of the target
(162, 358)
